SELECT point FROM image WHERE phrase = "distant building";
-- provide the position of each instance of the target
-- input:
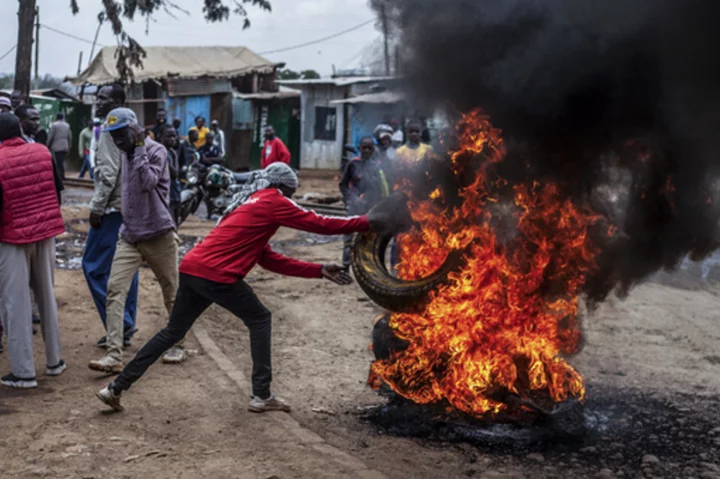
(329, 118)
(233, 85)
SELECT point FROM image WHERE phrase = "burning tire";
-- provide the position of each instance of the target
(395, 294)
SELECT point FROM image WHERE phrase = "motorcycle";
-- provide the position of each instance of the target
(215, 185)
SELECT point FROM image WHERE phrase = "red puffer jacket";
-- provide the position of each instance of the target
(30, 209)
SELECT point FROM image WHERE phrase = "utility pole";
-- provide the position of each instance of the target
(383, 15)
(101, 19)
(23, 60)
(37, 48)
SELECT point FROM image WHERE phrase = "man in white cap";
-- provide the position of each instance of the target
(213, 272)
(147, 233)
(5, 104)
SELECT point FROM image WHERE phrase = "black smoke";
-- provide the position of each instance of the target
(616, 100)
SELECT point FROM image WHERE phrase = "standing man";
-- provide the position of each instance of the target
(398, 138)
(29, 117)
(363, 185)
(414, 150)
(209, 153)
(218, 137)
(214, 272)
(147, 233)
(27, 252)
(5, 105)
(202, 131)
(16, 99)
(106, 218)
(274, 150)
(84, 144)
(60, 142)
(187, 153)
(169, 139)
(160, 122)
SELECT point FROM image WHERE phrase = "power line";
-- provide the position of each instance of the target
(319, 40)
(8, 52)
(70, 35)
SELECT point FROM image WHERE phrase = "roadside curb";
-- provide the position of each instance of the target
(286, 421)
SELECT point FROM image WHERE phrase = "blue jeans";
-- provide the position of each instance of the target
(96, 264)
(86, 166)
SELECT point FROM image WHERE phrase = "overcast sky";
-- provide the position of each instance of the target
(290, 23)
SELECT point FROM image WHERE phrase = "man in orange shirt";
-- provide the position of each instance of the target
(274, 150)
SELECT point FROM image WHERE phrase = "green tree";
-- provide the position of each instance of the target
(130, 52)
(309, 75)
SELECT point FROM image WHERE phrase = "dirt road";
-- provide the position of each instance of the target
(652, 365)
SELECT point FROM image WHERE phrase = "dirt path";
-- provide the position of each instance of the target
(652, 365)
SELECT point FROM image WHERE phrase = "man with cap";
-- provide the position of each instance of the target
(5, 104)
(274, 150)
(106, 216)
(213, 272)
(218, 137)
(147, 233)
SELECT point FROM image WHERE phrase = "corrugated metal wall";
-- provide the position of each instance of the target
(321, 154)
(186, 108)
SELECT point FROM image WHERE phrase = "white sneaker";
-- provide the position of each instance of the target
(108, 364)
(56, 370)
(107, 396)
(174, 355)
(270, 404)
(13, 381)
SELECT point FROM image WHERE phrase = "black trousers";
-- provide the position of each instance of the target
(60, 163)
(194, 295)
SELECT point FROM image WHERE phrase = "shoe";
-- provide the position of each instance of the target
(108, 396)
(56, 370)
(36, 319)
(108, 364)
(174, 355)
(13, 381)
(270, 404)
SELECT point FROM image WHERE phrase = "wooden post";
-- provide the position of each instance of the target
(383, 15)
(23, 60)
(37, 48)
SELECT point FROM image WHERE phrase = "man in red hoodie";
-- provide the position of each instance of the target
(274, 150)
(29, 221)
(214, 272)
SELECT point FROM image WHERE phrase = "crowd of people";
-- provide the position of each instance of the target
(131, 223)
(369, 177)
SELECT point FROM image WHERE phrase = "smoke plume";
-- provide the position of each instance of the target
(618, 101)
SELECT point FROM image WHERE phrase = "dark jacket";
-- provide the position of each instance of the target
(364, 183)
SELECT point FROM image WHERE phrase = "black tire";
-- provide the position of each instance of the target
(392, 293)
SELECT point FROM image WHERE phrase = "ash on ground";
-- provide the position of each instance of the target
(625, 432)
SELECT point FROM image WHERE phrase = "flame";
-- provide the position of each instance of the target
(505, 321)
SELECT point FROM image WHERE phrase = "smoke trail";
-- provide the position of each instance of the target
(618, 101)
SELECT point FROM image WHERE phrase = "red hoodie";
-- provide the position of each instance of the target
(273, 151)
(240, 241)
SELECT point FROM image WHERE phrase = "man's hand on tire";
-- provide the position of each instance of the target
(337, 274)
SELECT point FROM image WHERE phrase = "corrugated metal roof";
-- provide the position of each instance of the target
(340, 81)
(284, 92)
(178, 62)
(384, 97)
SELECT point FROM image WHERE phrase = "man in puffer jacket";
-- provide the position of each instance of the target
(29, 221)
